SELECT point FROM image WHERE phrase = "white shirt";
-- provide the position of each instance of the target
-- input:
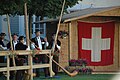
(39, 43)
(56, 46)
(14, 44)
(3, 48)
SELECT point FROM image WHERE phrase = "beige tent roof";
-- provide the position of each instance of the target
(80, 14)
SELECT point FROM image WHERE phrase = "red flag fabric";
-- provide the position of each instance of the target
(96, 42)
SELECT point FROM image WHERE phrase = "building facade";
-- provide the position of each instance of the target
(17, 25)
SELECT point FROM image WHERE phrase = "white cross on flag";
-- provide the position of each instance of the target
(96, 42)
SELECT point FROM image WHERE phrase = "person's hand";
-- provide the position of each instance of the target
(52, 54)
(1, 46)
(5, 48)
(55, 44)
(33, 43)
(45, 39)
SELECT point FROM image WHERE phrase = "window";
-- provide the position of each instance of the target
(41, 27)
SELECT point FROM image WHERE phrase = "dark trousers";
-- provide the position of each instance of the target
(20, 73)
(11, 72)
(54, 66)
(44, 59)
(1, 61)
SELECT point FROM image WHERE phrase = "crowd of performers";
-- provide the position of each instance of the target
(36, 43)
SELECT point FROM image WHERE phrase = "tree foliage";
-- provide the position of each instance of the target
(10, 6)
(50, 8)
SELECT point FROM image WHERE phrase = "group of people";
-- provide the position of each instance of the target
(38, 43)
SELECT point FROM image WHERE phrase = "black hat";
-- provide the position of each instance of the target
(21, 38)
(2, 34)
(38, 31)
(53, 34)
(32, 40)
(14, 34)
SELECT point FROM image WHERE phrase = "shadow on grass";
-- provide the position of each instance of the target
(63, 76)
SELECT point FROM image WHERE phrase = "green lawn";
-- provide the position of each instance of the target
(80, 77)
(63, 76)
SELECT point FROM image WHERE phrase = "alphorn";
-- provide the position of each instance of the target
(74, 73)
(53, 49)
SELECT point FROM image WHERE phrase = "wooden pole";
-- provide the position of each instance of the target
(69, 24)
(26, 25)
(8, 64)
(9, 31)
(11, 46)
(30, 71)
(52, 50)
(58, 27)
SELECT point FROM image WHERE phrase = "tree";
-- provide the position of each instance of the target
(11, 7)
(49, 8)
(54, 7)
(43, 8)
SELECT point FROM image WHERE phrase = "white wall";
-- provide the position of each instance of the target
(0, 24)
(21, 25)
(16, 24)
(3, 26)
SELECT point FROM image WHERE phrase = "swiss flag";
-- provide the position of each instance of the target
(96, 42)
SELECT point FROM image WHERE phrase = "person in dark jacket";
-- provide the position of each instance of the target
(3, 42)
(2, 45)
(20, 45)
(20, 60)
(41, 44)
(2, 48)
(14, 42)
(56, 53)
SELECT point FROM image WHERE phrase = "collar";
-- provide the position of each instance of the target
(15, 41)
(38, 37)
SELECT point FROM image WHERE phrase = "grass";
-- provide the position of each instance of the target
(79, 77)
(63, 76)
